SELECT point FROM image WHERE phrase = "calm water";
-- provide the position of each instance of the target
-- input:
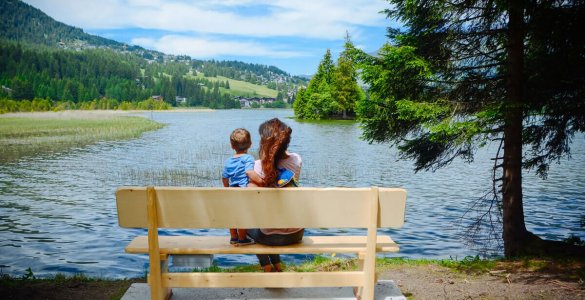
(58, 214)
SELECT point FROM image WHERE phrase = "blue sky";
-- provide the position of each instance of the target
(292, 35)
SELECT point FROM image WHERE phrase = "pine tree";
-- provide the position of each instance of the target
(461, 74)
(346, 91)
(316, 102)
(299, 104)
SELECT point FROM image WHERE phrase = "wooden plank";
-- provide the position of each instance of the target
(220, 245)
(131, 204)
(181, 207)
(250, 280)
(247, 208)
(392, 207)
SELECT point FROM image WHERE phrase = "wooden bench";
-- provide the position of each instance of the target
(189, 207)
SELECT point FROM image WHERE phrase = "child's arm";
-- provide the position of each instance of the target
(225, 181)
(255, 178)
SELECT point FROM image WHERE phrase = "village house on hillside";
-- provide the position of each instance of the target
(246, 102)
(180, 100)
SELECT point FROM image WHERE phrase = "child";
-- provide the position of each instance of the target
(237, 172)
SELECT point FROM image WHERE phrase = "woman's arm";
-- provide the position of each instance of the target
(255, 179)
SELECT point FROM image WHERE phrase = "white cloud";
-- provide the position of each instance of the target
(204, 48)
(153, 3)
(324, 19)
(238, 28)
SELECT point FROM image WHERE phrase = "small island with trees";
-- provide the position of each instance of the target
(333, 91)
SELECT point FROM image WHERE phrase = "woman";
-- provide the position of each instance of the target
(274, 140)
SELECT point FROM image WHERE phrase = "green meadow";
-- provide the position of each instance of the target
(30, 136)
(242, 88)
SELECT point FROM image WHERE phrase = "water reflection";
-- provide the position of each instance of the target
(57, 212)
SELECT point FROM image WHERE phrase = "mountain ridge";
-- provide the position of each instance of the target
(23, 23)
(43, 58)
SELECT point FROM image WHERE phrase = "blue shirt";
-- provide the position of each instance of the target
(235, 170)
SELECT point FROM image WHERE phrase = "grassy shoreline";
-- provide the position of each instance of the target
(97, 113)
(24, 136)
(523, 277)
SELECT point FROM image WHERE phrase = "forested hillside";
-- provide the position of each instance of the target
(23, 23)
(28, 72)
(45, 59)
(270, 76)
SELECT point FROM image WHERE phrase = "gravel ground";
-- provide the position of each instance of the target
(436, 282)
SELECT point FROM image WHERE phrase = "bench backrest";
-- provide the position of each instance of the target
(180, 207)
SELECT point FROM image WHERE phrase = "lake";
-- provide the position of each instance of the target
(58, 213)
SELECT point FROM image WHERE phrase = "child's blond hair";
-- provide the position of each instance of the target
(240, 139)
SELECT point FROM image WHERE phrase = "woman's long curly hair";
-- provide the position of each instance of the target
(274, 140)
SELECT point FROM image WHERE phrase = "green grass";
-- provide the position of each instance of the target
(22, 137)
(336, 122)
(242, 88)
(325, 264)
(400, 261)
(77, 286)
(470, 264)
(322, 263)
(567, 267)
(6, 279)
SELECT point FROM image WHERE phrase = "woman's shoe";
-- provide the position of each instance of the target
(245, 242)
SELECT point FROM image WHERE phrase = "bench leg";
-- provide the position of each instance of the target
(159, 263)
(359, 291)
(161, 294)
(158, 292)
(164, 267)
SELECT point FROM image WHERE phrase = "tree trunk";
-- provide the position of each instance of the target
(515, 235)
(517, 240)
(514, 229)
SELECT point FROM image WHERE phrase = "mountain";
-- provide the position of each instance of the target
(23, 23)
(41, 57)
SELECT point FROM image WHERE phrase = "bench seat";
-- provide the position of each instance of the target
(172, 245)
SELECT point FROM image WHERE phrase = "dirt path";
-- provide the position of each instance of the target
(436, 282)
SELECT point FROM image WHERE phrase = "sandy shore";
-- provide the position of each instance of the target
(93, 114)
